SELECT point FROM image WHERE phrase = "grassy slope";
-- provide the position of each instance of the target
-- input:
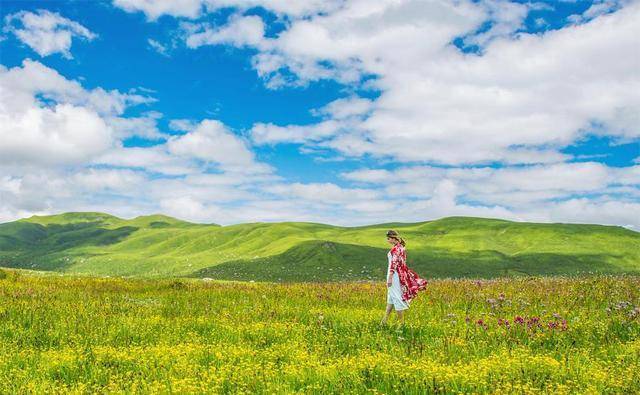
(157, 245)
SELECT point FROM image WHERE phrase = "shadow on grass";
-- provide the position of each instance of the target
(50, 247)
(319, 260)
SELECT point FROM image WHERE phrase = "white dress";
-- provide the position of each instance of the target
(394, 292)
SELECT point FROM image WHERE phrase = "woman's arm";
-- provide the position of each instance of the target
(394, 265)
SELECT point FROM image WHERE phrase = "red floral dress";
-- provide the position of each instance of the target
(410, 282)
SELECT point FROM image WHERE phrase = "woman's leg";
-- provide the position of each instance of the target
(400, 317)
(386, 314)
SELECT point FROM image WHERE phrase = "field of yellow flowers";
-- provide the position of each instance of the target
(87, 335)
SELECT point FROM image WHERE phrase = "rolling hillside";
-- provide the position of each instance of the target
(161, 246)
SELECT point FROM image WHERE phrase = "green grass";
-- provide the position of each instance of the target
(66, 334)
(160, 246)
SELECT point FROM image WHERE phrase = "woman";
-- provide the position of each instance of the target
(403, 283)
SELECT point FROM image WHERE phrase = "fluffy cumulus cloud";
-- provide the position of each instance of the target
(154, 9)
(340, 116)
(505, 17)
(204, 145)
(461, 133)
(47, 119)
(599, 7)
(240, 31)
(62, 149)
(519, 101)
(46, 32)
(534, 193)
(63, 134)
(50, 129)
(212, 141)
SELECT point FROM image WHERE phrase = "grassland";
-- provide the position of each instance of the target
(95, 335)
(160, 246)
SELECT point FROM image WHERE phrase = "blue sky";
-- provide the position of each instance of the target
(343, 112)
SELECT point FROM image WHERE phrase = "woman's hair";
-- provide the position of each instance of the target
(394, 235)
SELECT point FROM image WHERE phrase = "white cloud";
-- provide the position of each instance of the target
(369, 175)
(295, 9)
(371, 206)
(443, 196)
(121, 180)
(212, 141)
(626, 175)
(171, 189)
(46, 32)
(566, 177)
(239, 32)
(584, 210)
(189, 209)
(230, 179)
(50, 190)
(154, 159)
(269, 133)
(47, 119)
(62, 134)
(599, 7)
(35, 83)
(520, 101)
(342, 116)
(517, 102)
(322, 192)
(153, 9)
(544, 193)
(145, 126)
(407, 194)
(183, 125)
(365, 36)
(61, 149)
(505, 17)
(346, 108)
(158, 47)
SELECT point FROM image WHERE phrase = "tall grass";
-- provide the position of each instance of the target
(87, 335)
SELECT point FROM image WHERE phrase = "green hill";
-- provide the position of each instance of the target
(161, 246)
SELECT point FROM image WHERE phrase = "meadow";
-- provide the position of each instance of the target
(65, 334)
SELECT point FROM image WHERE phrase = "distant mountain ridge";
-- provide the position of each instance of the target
(162, 246)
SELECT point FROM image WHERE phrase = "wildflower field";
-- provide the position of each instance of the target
(86, 334)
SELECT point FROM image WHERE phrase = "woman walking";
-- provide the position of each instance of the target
(403, 283)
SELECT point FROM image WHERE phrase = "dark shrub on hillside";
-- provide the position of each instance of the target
(177, 284)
